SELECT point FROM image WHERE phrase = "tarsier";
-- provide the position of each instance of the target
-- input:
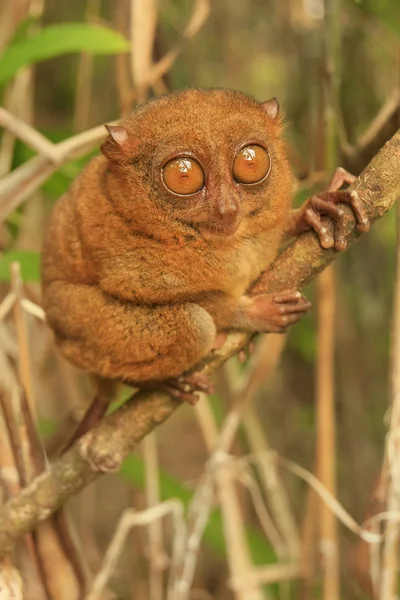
(149, 255)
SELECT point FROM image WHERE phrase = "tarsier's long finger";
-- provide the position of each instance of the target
(327, 206)
(300, 307)
(352, 199)
(363, 223)
(287, 296)
(288, 320)
(313, 219)
(340, 177)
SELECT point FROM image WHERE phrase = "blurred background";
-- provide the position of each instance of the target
(334, 67)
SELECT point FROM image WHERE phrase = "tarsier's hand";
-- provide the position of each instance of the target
(309, 215)
(271, 313)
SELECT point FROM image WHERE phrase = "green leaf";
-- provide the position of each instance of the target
(56, 40)
(29, 261)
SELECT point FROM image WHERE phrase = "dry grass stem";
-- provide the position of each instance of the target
(245, 477)
(7, 305)
(198, 515)
(33, 309)
(198, 18)
(155, 551)
(277, 573)
(25, 368)
(331, 501)
(234, 530)
(128, 521)
(29, 135)
(18, 185)
(272, 484)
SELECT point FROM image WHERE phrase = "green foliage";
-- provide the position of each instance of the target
(56, 40)
(387, 11)
(29, 261)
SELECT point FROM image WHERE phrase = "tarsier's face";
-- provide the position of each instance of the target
(185, 177)
(210, 158)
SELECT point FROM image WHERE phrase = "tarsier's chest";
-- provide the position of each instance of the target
(226, 271)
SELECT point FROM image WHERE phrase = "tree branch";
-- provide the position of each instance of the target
(104, 448)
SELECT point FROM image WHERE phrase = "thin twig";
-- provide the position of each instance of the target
(22, 336)
(197, 19)
(331, 501)
(128, 521)
(384, 115)
(18, 185)
(31, 136)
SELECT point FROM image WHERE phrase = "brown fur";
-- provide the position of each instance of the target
(137, 282)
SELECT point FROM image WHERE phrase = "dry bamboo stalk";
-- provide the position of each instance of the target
(85, 75)
(326, 464)
(155, 551)
(390, 555)
(143, 31)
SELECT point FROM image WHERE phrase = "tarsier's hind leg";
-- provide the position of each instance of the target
(124, 341)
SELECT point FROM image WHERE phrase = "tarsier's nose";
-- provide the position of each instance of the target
(226, 209)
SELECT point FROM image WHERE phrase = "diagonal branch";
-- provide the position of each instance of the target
(104, 448)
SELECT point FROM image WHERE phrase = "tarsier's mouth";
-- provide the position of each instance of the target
(220, 229)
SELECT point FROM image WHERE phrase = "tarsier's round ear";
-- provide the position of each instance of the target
(271, 107)
(117, 144)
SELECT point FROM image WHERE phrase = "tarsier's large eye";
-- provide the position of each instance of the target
(183, 176)
(251, 164)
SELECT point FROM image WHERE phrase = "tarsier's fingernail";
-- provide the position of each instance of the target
(340, 245)
(363, 225)
(187, 388)
(327, 242)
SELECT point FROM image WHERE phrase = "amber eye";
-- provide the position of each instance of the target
(183, 176)
(251, 164)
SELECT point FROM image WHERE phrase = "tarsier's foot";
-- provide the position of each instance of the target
(276, 312)
(325, 204)
(184, 388)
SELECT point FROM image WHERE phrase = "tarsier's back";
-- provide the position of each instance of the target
(148, 256)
